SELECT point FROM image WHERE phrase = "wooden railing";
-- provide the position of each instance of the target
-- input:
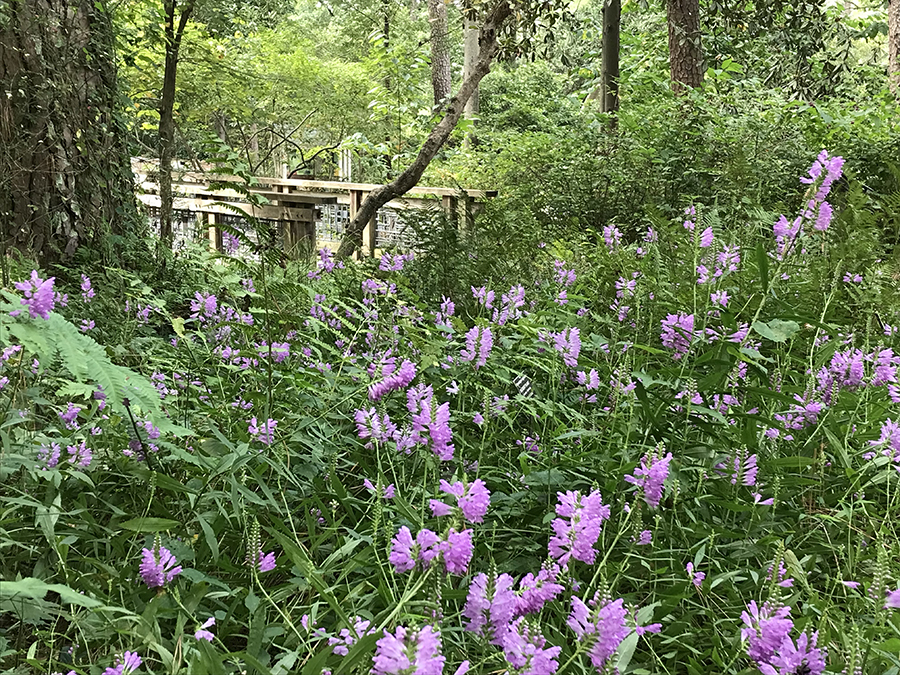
(295, 204)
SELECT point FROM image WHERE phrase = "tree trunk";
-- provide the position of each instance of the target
(470, 59)
(894, 46)
(685, 55)
(167, 113)
(487, 44)
(609, 69)
(440, 51)
(65, 175)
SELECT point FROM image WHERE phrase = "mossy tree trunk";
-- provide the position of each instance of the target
(894, 46)
(65, 174)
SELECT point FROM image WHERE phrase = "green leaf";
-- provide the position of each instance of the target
(776, 329)
(149, 524)
(31, 587)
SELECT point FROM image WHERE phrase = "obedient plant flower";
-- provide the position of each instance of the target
(525, 650)
(536, 591)
(677, 333)
(706, 238)
(578, 529)
(604, 626)
(265, 562)
(407, 552)
(802, 657)
(483, 296)
(80, 454)
(612, 237)
(265, 433)
(430, 422)
(511, 304)
(651, 475)
(387, 493)
(369, 424)
(87, 292)
(696, 577)
(39, 296)
(407, 652)
(893, 600)
(230, 243)
(346, 638)
(158, 566)
(479, 343)
(472, 499)
(50, 455)
(568, 343)
(202, 633)
(125, 664)
(393, 379)
(765, 629)
(490, 606)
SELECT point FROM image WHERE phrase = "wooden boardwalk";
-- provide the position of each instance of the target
(305, 211)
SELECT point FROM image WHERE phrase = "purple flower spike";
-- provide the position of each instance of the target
(650, 477)
(125, 664)
(39, 296)
(578, 529)
(202, 633)
(407, 651)
(158, 567)
(266, 561)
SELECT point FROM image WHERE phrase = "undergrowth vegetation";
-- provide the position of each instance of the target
(672, 450)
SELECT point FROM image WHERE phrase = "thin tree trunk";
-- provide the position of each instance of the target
(894, 46)
(440, 50)
(487, 41)
(173, 37)
(65, 175)
(685, 54)
(470, 58)
(609, 69)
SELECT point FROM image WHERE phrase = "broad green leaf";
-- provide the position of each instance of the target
(149, 524)
(776, 329)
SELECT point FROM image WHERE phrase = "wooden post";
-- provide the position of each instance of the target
(215, 235)
(451, 208)
(468, 222)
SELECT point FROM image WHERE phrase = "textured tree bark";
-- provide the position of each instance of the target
(894, 46)
(173, 37)
(609, 55)
(440, 50)
(685, 54)
(487, 44)
(471, 42)
(65, 174)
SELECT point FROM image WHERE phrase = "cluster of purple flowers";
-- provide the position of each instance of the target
(125, 664)
(430, 421)
(407, 651)
(677, 333)
(202, 633)
(280, 350)
(625, 290)
(603, 624)
(612, 237)
(472, 500)
(888, 442)
(479, 343)
(651, 475)
(455, 549)
(325, 264)
(393, 378)
(265, 432)
(767, 630)
(568, 344)
(230, 243)
(577, 529)
(87, 291)
(395, 262)
(158, 566)
(511, 304)
(346, 638)
(378, 427)
(493, 603)
(39, 296)
(822, 174)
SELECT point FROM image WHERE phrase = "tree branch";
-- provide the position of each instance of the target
(487, 40)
